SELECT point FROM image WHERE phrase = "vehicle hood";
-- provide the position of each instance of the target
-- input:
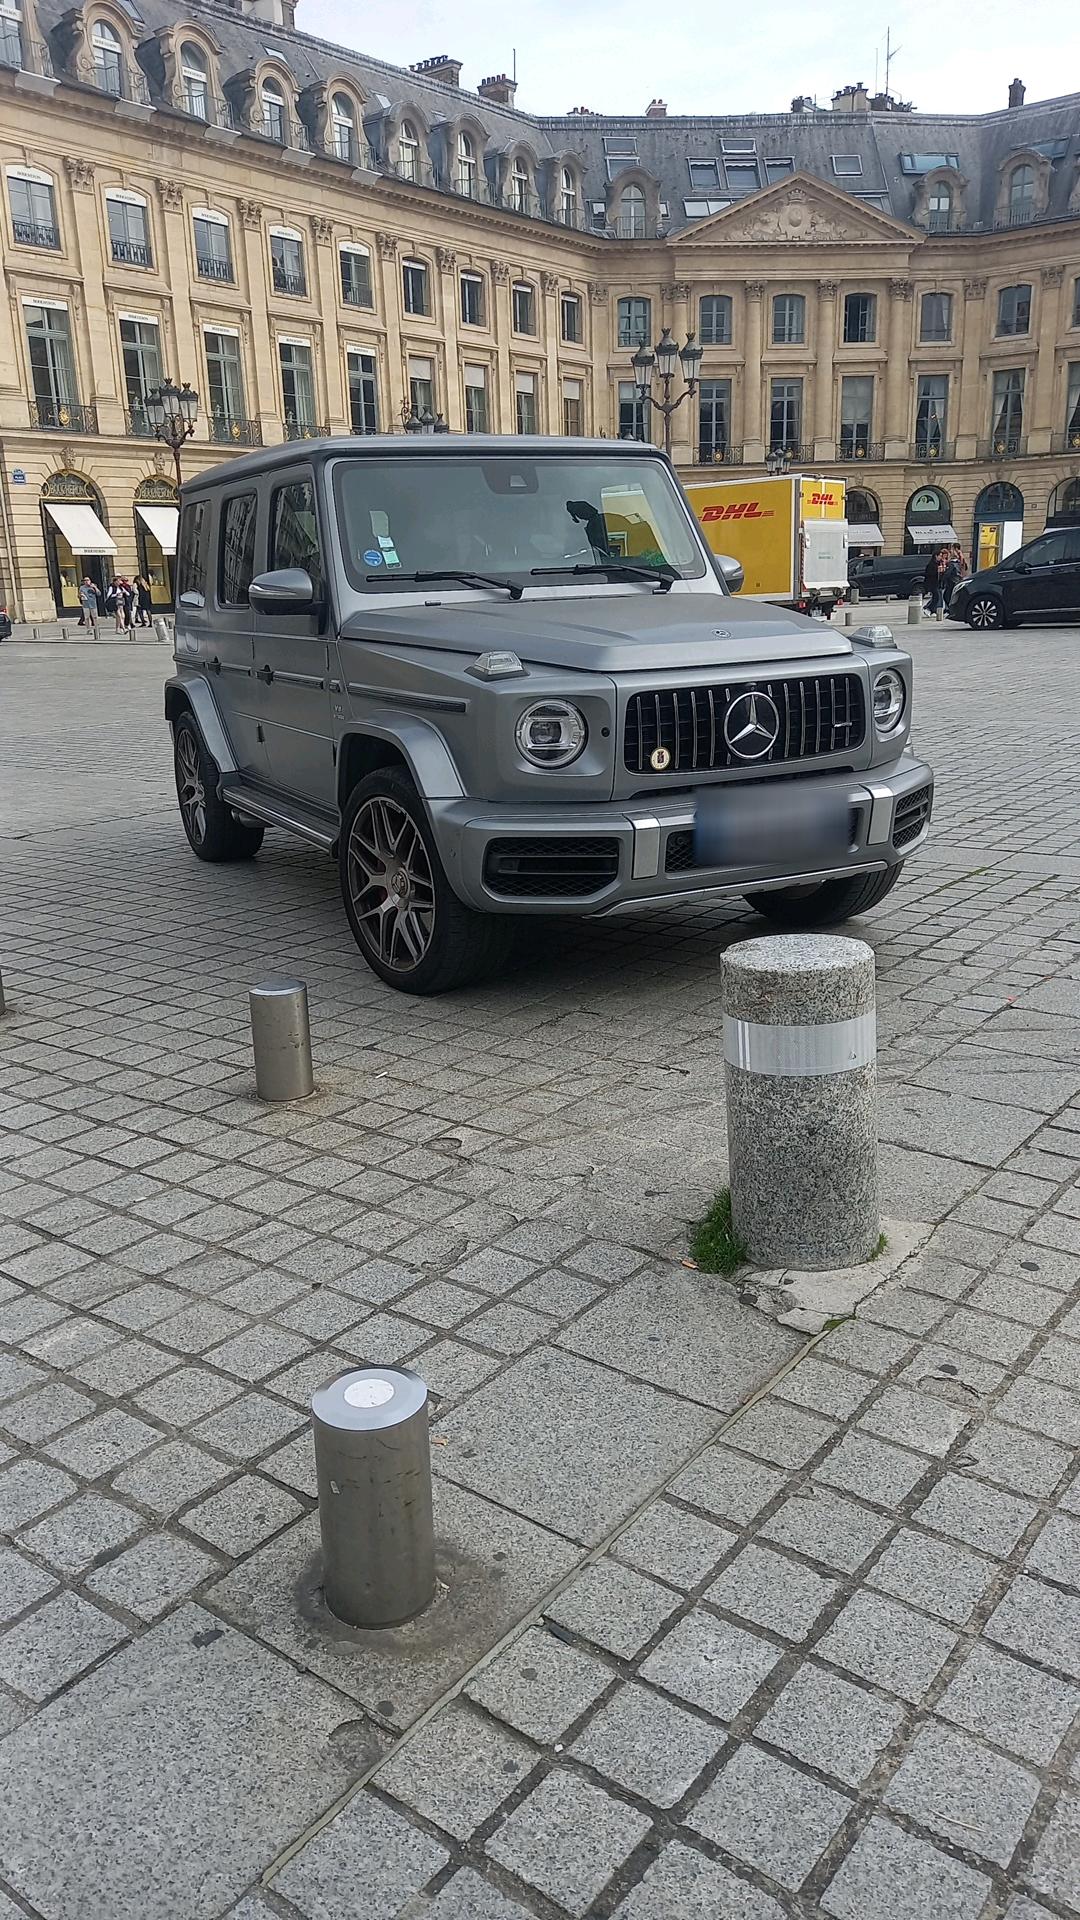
(608, 634)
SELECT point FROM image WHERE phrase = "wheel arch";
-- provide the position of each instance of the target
(393, 740)
(193, 696)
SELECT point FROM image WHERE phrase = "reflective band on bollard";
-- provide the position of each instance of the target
(373, 1462)
(282, 1040)
(801, 1083)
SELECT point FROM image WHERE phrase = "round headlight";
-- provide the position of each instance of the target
(890, 699)
(551, 733)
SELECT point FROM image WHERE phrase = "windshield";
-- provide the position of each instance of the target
(512, 517)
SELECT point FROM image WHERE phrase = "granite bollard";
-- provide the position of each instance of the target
(801, 1084)
(373, 1466)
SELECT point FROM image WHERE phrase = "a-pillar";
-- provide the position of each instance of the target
(1040, 425)
(897, 344)
(971, 409)
(263, 372)
(753, 440)
(326, 275)
(825, 435)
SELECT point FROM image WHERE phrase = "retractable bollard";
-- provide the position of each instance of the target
(373, 1461)
(853, 596)
(914, 610)
(801, 1083)
(281, 1039)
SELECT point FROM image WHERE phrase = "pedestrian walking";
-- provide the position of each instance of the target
(143, 602)
(954, 573)
(934, 584)
(90, 605)
(130, 600)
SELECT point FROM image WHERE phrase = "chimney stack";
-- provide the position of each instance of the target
(440, 68)
(851, 99)
(499, 89)
(1017, 91)
(656, 110)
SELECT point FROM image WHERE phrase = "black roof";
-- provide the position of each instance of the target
(412, 446)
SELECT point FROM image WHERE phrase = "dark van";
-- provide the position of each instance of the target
(885, 576)
(1039, 582)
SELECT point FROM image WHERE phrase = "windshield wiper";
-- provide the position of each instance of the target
(449, 573)
(661, 576)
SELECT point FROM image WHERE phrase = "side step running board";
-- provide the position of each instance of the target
(275, 813)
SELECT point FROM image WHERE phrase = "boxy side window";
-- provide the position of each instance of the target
(236, 550)
(191, 554)
(294, 530)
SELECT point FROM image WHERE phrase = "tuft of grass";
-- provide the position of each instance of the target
(882, 1243)
(714, 1244)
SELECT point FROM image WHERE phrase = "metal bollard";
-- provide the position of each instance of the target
(914, 610)
(851, 618)
(282, 1040)
(373, 1463)
(800, 1074)
(853, 596)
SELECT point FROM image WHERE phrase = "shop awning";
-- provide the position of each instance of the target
(162, 522)
(81, 528)
(865, 534)
(934, 536)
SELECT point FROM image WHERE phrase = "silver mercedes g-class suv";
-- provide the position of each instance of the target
(502, 677)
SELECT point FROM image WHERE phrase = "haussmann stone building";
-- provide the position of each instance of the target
(317, 241)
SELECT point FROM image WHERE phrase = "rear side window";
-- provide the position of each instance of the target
(191, 553)
(294, 530)
(236, 549)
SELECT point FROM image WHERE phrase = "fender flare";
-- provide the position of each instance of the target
(191, 691)
(421, 746)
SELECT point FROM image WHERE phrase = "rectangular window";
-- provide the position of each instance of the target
(714, 320)
(355, 269)
(297, 388)
(524, 308)
(935, 317)
(525, 402)
(1014, 310)
(213, 253)
(778, 169)
(856, 415)
(1007, 411)
(931, 415)
(294, 531)
(714, 420)
(742, 176)
(287, 263)
(191, 553)
(363, 391)
(634, 322)
(785, 416)
(476, 400)
(421, 387)
(11, 53)
(236, 549)
(1072, 408)
(789, 320)
(1076, 304)
(846, 163)
(129, 233)
(570, 318)
(704, 176)
(140, 346)
(631, 412)
(573, 410)
(33, 213)
(414, 287)
(225, 387)
(52, 365)
(860, 318)
(472, 299)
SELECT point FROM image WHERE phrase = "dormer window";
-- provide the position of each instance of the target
(194, 81)
(408, 148)
(939, 207)
(520, 187)
(567, 199)
(1021, 196)
(465, 181)
(343, 128)
(108, 58)
(632, 213)
(272, 101)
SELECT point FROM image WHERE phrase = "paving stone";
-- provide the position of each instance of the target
(728, 1485)
(21, 1584)
(245, 1428)
(890, 1871)
(104, 1443)
(714, 1665)
(648, 1745)
(933, 1574)
(508, 1327)
(46, 1649)
(187, 1394)
(244, 1515)
(826, 1528)
(1055, 1869)
(858, 1343)
(567, 1839)
(139, 1308)
(1044, 1408)
(102, 1814)
(823, 1388)
(257, 1352)
(984, 1517)
(873, 1469)
(1041, 1623)
(773, 1591)
(887, 1644)
(915, 1420)
(1015, 1299)
(149, 1576)
(122, 1369)
(614, 1607)
(673, 1545)
(985, 1334)
(37, 1416)
(958, 1788)
(684, 1885)
(74, 1538)
(766, 1813)
(168, 1478)
(294, 1463)
(492, 1271)
(1013, 1458)
(1022, 1909)
(1027, 1712)
(453, 1370)
(467, 1897)
(540, 1685)
(1056, 1553)
(831, 1724)
(29, 1488)
(558, 1293)
(457, 1770)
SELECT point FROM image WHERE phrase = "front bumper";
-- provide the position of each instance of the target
(600, 859)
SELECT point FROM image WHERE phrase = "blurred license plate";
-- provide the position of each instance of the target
(761, 825)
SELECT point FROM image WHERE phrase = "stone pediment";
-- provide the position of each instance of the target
(798, 211)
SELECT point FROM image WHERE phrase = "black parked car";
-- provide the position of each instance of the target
(1039, 582)
(886, 576)
(5, 624)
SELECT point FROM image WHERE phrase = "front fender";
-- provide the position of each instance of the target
(194, 692)
(421, 745)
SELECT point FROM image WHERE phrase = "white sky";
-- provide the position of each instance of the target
(703, 57)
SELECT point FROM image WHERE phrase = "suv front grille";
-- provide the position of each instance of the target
(560, 867)
(911, 816)
(821, 714)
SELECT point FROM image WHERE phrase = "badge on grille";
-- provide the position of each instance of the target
(659, 759)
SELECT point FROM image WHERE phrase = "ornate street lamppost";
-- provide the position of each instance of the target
(663, 363)
(426, 422)
(777, 460)
(172, 412)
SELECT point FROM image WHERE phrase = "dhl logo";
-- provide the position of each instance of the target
(739, 510)
(823, 499)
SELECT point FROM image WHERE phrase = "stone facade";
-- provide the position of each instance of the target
(361, 255)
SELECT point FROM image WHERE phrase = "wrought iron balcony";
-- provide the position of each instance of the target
(285, 131)
(570, 217)
(1003, 446)
(210, 266)
(352, 153)
(223, 114)
(11, 51)
(286, 282)
(710, 455)
(118, 78)
(304, 429)
(62, 416)
(357, 294)
(1016, 217)
(132, 253)
(624, 229)
(942, 223)
(36, 233)
(797, 455)
(527, 204)
(933, 450)
(137, 423)
(228, 430)
(414, 173)
(1067, 442)
(858, 446)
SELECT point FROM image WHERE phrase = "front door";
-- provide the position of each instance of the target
(292, 661)
(230, 643)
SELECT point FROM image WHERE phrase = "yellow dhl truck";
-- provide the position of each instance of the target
(788, 531)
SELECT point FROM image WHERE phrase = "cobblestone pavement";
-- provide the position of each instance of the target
(737, 1626)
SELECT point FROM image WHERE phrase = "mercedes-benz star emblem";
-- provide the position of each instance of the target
(752, 725)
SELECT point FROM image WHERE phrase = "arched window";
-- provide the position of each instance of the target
(408, 149)
(1021, 196)
(520, 187)
(108, 55)
(567, 198)
(194, 81)
(466, 166)
(1064, 507)
(273, 111)
(863, 508)
(632, 213)
(343, 127)
(939, 208)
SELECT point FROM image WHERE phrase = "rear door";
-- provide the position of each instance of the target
(232, 659)
(292, 650)
(1070, 569)
(1037, 580)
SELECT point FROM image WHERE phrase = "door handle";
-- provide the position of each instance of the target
(265, 673)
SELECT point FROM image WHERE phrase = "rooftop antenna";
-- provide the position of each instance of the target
(890, 55)
(514, 72)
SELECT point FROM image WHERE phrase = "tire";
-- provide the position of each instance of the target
(213, 831)
(985, 614)
(406, 919)
(827, 904)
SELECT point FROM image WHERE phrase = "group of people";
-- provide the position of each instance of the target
(945, 568)
(129, 601)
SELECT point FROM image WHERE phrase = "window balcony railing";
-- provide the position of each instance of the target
(570, 217)
(1003, 446)
(285, 131)
(223, 114)
(210, 266)
(229, 430)
(137, 423)
(933, 451)
(356, 296)
(414, 173)
(286, 282)
(352, 153)
(527, 204)
(121, 80)
(304, 429)
(36, 233)
(468, 186)
(1016, 217)
(797, 455)
(942, 223)
(1067, 442)
(710, 455)
(625, 229)
(859, 446)
(62, 416)
(132, 253)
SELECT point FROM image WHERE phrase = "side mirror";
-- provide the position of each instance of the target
(1020, 566)
(730, 571)
(285, 590)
